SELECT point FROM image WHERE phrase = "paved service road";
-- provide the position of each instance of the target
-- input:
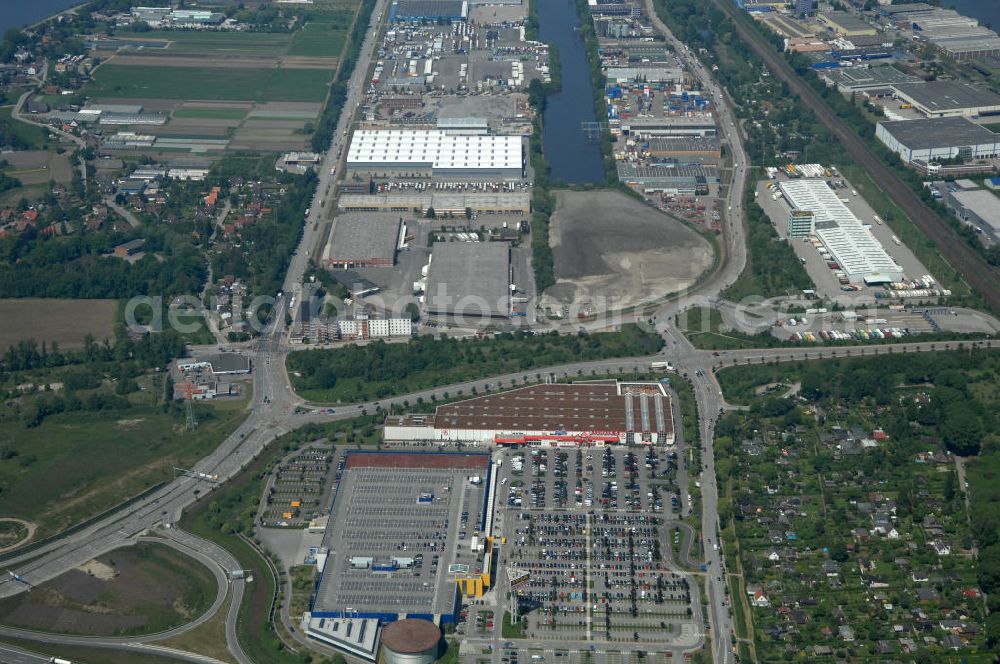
(14, 655)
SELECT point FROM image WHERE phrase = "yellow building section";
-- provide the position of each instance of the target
(475, 584)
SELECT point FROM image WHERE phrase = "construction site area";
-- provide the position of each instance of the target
(613, 252)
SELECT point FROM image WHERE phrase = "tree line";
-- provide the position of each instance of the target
(394, 368)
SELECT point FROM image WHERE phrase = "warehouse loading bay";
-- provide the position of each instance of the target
(593, 529)
(827, 285)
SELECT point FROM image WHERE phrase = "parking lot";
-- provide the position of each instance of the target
(591, 526)
(514, 653)
(299, 489)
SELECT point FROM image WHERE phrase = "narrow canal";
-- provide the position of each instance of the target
(571, 155)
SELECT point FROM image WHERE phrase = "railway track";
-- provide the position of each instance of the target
(972, 267)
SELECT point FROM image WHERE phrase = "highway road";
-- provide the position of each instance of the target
(12, 655)
(734, 230)
(219, 561)
(331, 168)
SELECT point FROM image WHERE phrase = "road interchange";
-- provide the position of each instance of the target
(276, 409)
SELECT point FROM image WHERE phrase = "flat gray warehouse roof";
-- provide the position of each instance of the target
(941, 96)
(229, 363)
(470, 279)
(396, 526)
(364, 238)
(863, 78)
(938, 132)
(983, 203)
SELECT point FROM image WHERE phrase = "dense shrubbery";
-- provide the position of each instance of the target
(772, 267)
(86, 375)
(542, 201)
(380, 369)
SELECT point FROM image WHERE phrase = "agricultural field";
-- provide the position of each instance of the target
(260, 91)
(213, 43)
(250, 84)
(141, 589)
(210, 113)
(66, 322)
(321, 38)
(38, 167)
(101, 458)
(18, 134)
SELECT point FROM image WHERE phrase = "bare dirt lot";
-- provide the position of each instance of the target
(38, 166)
(613, 252)
(308, 62)
(295, 106)
(170, 60)
(64, 321)
(194, 127)
(140, 589)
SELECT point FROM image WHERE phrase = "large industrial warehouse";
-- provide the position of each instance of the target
(386, 499)
(409, 532)
(364, 240)
(504, 202)
(938, 139)
(433, 152)
(860, 255)
(469, 280)
(941, 99)
(428, 10)
(589, 413)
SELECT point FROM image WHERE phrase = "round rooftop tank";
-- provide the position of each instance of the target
(410, 641)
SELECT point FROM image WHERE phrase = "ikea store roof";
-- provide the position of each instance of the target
(849, 242)
(440, 149)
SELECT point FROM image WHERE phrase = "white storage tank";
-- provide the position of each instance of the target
(410, 641)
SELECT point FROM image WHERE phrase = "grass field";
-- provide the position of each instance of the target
(262, 85)
(211, 113)
(703, 327)
(320, 38)
(202, 335)
(257, 44)
(208, 638)
(75, 465)
(35, 137)
(141, 589)
(64, 321)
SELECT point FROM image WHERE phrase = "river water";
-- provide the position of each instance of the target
(987, 11)
(571, 156)
(17, 13)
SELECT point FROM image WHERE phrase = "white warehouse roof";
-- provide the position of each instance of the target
(439, 149)
(852, 245)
